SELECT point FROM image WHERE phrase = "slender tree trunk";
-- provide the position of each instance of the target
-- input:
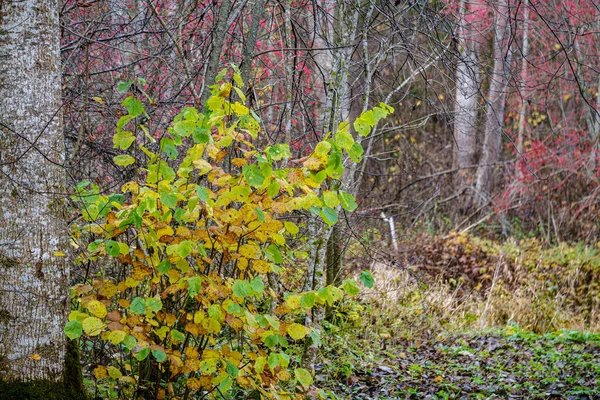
(250, 41)
(524, 78)
(466, 103)
(34, 274)
(218, 39)
(494, 118)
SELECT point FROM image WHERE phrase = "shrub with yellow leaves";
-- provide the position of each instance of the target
(198, 237)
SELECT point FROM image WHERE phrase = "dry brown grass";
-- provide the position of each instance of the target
(408, 303)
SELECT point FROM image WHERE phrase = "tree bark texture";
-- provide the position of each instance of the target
(494, 118)
(34, 295)
(466, 103)
(218, 38)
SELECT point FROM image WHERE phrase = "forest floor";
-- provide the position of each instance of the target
(508, 364)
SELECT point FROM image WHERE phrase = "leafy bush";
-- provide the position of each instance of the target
(194, 307)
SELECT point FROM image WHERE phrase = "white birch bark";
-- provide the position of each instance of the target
(34, 292)
(494, 118)
(466, 101)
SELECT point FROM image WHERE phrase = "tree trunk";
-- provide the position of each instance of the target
(494, 118)
(524, 91)
(218, 39)
(34, 274)
(466, 104)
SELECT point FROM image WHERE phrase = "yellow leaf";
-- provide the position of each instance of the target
(114, 373)
(297, 331)
(210, 354)
(59, 254)
(92, 326)
(109, 290)
(100, 372)
(130, 187)
(97, 308)
(116, 337)
(250, 251)
(35, 357)
(293, 301)
(291, 227)
(203, 166)
(98, 100)
(261, 266)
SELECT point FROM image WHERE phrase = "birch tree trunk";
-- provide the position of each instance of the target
(34, 275)
(494, 118)
(466, 103)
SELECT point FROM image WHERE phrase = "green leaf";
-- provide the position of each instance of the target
(350, 287)
(225, 384)
(273, 254)
(330, 199)
(343, 138)
(168, 146)
(164, 266)
(138, 306)
(270, 341)
(221, 75)
(303, 376)
(284, 360)
(308, 300)
(326, 295)
(123, 160)
(260, 214)
(154, 304)
(194, 285)
(257, 285)
(253, 175)
(274, 322)
(166, 171)
(356, 152)
(123, 121)
(73, 329)
(241, 288)
(123, 140)
(329, 215)
(232, 370)
(169, 199)
(178, 336)
(123, 87)
(273, 188)
(315, 338)
(185, 248)
(215, 311)
(134, 106)
(367, 279)
(112, 248)
(142, 354)
(202, 192)
(348, 201)
(129, 342)
(159, 355)
(184, 128)
(201, 135)
(279, 151)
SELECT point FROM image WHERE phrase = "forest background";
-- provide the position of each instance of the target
(361, 172)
